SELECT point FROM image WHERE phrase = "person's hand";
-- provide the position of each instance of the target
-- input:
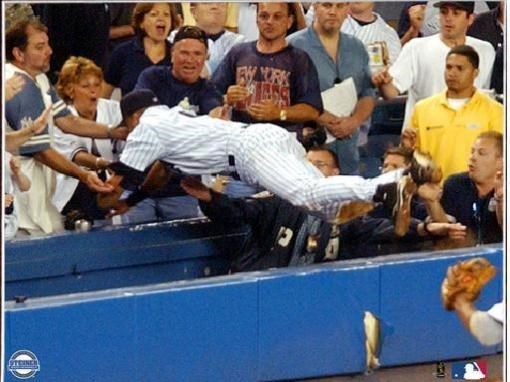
(221, 112)
(196, 189)
(93, 182)
(499, 191)
(430, 192)
(266, 110)
(119, 208)
(15, 164)
(339, 127)
(8, 199)
(38, 126)
(382, 78)
(236, 93)
(417, 16)
(120, 133)
(454, 231)
(110, 199)
(408, 138)
(102, 163)
(13, 86)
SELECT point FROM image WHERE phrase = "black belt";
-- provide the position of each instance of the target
(232, 164)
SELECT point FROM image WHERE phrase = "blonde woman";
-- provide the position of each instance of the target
(79, 85)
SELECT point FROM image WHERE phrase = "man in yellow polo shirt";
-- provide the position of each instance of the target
(447, 124)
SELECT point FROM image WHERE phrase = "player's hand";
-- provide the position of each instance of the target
(266, 110)
(119, 208)
(93, 182)
(109, 199)
(196, 189)
(417, 16)
(408, 138)
(13, 86)
(237, 93)
(382, 78)
(120, 133)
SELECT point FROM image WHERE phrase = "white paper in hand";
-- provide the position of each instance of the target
(340, 100)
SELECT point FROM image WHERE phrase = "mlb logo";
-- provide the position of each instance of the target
(469, 371)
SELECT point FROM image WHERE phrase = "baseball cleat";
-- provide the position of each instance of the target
(406, 188)
(424, 170)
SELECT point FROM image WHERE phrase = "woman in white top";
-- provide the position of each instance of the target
(79, 85)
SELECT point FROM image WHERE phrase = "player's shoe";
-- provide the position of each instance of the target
(406, 188)
(423, 169)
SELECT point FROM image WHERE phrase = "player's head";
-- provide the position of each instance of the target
(324, 159)
(133, 104)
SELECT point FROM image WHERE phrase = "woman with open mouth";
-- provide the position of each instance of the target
(79, 85)
(152, 23)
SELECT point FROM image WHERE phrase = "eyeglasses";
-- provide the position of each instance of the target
(191, 32)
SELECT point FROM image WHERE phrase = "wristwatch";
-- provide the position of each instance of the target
(283, 115)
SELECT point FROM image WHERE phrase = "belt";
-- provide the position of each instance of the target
(232, 167)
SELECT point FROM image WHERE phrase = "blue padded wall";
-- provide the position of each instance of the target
(263, 326)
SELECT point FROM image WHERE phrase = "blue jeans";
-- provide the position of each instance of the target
(157, 209)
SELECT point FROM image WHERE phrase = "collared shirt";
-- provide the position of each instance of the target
(419, 68)
(351, 60)
(448, 134)
(202, 95)
(127, 61)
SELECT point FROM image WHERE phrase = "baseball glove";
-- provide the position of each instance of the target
(466, 277)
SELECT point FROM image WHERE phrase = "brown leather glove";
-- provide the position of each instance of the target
(467, 277)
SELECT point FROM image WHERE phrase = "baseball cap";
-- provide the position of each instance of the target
(137, 99)
(193, 32)
(468, 6)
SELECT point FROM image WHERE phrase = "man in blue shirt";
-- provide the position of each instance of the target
(181, 82)
(338, 56)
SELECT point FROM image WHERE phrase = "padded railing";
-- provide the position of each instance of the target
(273, 325)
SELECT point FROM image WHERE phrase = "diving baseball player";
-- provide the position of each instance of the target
(261, 154)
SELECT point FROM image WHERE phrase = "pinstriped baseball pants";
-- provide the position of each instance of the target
(269, 156)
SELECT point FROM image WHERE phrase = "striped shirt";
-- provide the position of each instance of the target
(377, 31)
(195, 145)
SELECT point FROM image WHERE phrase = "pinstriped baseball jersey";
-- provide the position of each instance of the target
(265, 154)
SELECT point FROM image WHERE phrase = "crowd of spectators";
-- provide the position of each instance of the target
(70, 64)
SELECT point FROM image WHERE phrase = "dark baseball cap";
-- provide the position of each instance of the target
(136, 100)
(468, 6)
(193, 32)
